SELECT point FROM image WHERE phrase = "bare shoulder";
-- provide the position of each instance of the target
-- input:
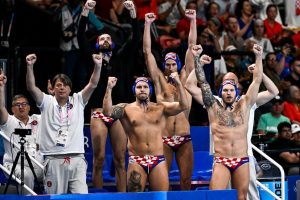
(118, 110)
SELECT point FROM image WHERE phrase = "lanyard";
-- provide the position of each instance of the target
(68, 114)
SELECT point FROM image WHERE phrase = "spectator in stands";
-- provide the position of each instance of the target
(262, 98)
(183, 25)
(176, 136)
(294, 76)
(294, 170)
(258, 37)
(285, 55)
(68, 19)
(245, 16)
(212, 10)
(291, 104)
(282, 145)
(268, 122)
(61, 139)
(261, 8)
(171, 11)
(226, 7)
(119, 15)
(292, 13)
(142, 119)
(273, 28)
(223, 122)
(233, 35)
(273, 69)
(19, 120)
(113, 64)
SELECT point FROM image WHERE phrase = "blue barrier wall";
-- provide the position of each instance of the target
(202, 159)
(176, 195)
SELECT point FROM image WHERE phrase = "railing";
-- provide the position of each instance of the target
(281, 173)
(5, 170)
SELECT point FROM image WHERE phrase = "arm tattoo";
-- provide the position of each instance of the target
(134, 183)
(208, 98)
(118, 111)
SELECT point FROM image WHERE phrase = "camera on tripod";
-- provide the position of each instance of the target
(22, 132)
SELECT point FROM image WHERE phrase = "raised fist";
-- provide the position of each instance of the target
(258, 50)
(3, 79)
(205, 59)
(90, 4)
(97, 58)
(150, 17)
(31, 59)
(251, 68)
(129, 5)
(111, 82)
(190, 14)
(197, 50)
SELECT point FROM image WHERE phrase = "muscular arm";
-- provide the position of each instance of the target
(118, 111)
(35, 92)
(291, 158)
(150, 60)
(192, 88)
(3, 111)
(192, 39)
(266, 96)
(252, 92)
(107, 101)
(177, 107)
(208, 98)
(92, 84)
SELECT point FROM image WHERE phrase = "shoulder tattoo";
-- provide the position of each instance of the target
(118, 111)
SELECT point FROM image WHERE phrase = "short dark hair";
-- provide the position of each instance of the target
(282, 125)
(271, 6)
(18, 96)
(63, 78)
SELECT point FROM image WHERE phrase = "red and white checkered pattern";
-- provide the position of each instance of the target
(173, 140)
(297, 7)
(144, 160)
(229, 162)
(106, 119)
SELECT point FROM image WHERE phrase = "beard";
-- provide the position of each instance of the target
(106, 47)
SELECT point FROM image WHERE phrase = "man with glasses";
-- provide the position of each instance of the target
(21, 120)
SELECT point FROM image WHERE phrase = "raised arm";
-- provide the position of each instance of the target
(152, 68)
(252, 92)
(3, 111)
(270, 93)
(192, 39)
(92, 84)
(107, 101)
(208, 98)
(35, 92)
(183, 104)
(192, 88)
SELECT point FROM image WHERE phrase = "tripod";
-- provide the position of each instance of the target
(23, 154)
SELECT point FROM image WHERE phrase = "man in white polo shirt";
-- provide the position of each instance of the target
(19, 120)
(62, 119)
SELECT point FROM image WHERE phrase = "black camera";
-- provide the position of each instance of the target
(22, 132)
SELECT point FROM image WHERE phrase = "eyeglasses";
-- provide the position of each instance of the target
(19, 105)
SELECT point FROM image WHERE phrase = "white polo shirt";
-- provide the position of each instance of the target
(30, 145)
(68, 118)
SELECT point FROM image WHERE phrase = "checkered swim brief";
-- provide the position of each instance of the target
(231, 163)
(175, 142)
(107, 120)
(148, 163)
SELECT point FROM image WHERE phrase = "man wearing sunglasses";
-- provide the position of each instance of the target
(21, 120)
